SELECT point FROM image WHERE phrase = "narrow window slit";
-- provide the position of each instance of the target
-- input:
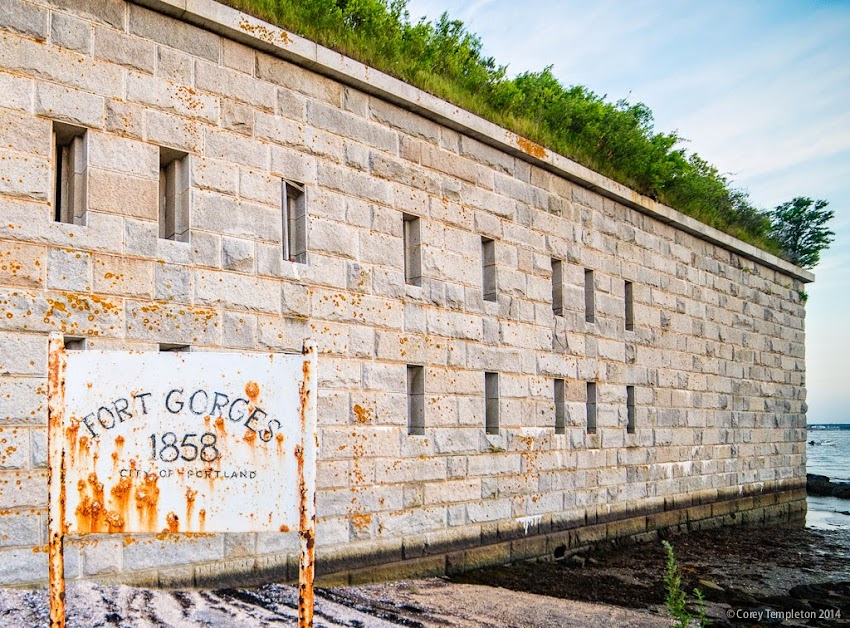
(294, 210)
(589, 297)
(412, 250)
(629, 306)
(488, 268)
(415, 400)
(591, 407)
(70, 172)
(491, 411)
(557, 288)
(173, 195)
(560, 407)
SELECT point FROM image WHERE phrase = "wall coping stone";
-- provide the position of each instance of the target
(251, 31)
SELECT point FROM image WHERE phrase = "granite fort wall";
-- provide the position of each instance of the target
(715, 353)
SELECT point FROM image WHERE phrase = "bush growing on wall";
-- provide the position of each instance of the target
(616, 139)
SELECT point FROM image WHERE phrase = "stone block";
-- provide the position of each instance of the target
(174, 66)
(14, 451)
(122, 275)
(362, 442)
(176, 34)
(237, 255)
(125, 118)
(69, 105)
(294, 165)
(384, 377)
(404, 173)
(173, 282)
(22, 264)
(174, 324)
(15, 92)
(174, 131)
(172, 97)
(291, 76)
(22, 566)
(348, 125)
(241, 219)
(404, 121)
(110, 12)
(122, 154)
(238, 56)
(213, 78)
(176, 577)
(462, 490)
(24, 18)
(487, 556)
(291, 104)
(410, 470)
(23, 354)
(237, 291)
(102, 555)
(260, 187)
(236, 148)
(22, 404)
(286, 334)
(121, 194)
(69, 270)
(134, 52)
(238, 573)
(31, 58)
(240, 330)
(71, 33)
(172, 549)
(429, 567)
(38, 448)
(25, 134)
(215, 175)
(237, 117)
(296, 299)
(24, 176)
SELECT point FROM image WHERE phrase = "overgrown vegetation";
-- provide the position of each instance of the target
(616, 139)
(676, 598)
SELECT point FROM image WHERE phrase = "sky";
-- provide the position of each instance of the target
(761, 89)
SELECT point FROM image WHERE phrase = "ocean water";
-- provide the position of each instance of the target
(828, 455)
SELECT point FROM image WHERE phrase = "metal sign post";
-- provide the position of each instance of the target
(56, 478)
(150, 442)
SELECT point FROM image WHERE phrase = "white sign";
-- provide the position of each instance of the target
(187, 442)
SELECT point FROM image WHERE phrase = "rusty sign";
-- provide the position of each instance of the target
(152, 442)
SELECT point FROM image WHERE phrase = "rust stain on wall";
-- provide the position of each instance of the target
(531, 148)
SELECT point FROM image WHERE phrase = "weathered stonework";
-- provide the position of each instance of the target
(716, 355)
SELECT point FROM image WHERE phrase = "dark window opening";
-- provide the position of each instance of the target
(416, 400)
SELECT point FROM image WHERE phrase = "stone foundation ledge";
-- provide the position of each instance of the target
(452, 551)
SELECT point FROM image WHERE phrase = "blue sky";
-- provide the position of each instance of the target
(761, 89)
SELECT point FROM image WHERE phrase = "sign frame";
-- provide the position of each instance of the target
(305, 453)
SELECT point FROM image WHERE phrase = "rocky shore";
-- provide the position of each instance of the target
(822, 486)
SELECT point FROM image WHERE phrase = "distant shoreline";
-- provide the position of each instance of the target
(828, 426)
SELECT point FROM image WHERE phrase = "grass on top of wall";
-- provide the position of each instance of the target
(617, 139)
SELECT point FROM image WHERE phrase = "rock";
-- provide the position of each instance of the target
(576, 561)
(821, 485)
